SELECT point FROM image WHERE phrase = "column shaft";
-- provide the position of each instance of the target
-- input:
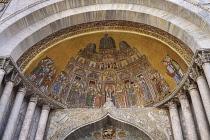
(5, 98)
(188, 118)
(42, 123)
(8, 133)
(28, 118)
(206, 68)
(175, 121)
(205, 94)
(2, 73)
(200, 114)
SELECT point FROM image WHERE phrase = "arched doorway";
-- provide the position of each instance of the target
(108, 128)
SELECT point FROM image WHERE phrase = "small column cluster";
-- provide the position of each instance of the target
(14, 85)
(196, 89)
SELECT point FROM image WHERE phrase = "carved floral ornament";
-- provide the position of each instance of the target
(152, 121)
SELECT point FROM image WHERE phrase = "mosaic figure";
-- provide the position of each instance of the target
(173, 68)
(43, 74)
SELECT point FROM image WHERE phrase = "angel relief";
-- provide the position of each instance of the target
(124, 76)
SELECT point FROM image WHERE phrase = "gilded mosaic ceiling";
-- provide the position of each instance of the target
(85, 69)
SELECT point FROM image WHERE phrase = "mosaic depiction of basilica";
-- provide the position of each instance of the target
(91, 77)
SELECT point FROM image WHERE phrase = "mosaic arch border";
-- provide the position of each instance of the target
(109, 115)
(147, 30)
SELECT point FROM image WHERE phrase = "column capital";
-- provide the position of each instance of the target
(22, 89)
(46, 107)
(5, 65)
(195, 72)
(203, 57)
(182, 95)
(189, 85)
(172, 104)
(34, 98)
(13, 77)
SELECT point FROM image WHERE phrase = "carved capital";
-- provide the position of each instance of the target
(203, 57)
(46, 107)
(172, 105)
(189, 85)
(13, 77)
(34, 98)
(182, 95)
(5, 65)
(195, 72)
(22, 89)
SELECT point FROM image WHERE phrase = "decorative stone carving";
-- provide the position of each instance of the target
(152, 121)
(189, 85)
(13, 77)
(195, 73)
(205, 56)
(5, 65)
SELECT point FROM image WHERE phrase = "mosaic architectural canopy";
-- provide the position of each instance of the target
(111, 69)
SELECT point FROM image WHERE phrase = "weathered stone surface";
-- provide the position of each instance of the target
(152, 121)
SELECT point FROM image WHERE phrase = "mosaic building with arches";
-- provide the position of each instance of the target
(104, 70)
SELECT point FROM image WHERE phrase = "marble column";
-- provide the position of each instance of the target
(5, 98)
(2, 73)
(206, 68)
(188, 118)
(205, 94)
(11, 81)
(204, 61)
(203, 87)
(199, 112)
(28, 118)
(12, 122)
(42, 122)
(175, 121)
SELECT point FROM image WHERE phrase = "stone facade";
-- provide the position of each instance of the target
(186, 110)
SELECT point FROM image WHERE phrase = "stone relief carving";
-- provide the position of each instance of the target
(154, 122)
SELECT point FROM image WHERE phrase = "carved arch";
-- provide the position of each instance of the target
(101, 123)
(152, 121)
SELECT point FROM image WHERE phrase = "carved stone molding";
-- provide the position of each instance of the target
(154, 122)
(5, 65)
